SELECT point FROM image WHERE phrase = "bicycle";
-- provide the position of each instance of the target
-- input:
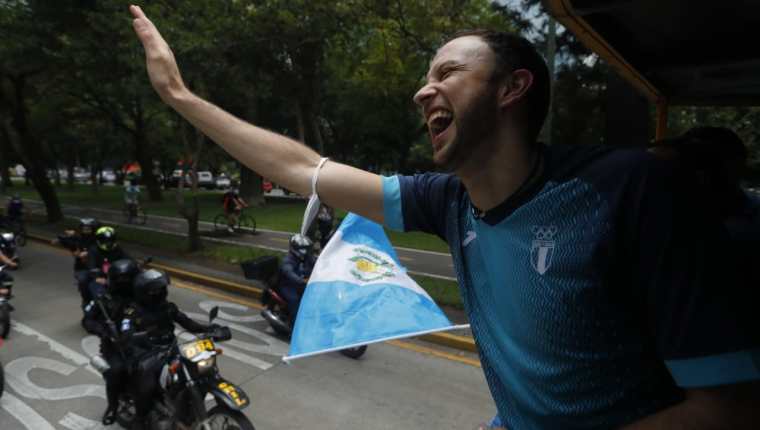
(245, 223)
(134, 213)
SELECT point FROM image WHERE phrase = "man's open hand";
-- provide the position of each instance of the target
(159, 59)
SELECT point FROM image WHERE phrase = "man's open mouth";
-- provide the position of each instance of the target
(438, 122)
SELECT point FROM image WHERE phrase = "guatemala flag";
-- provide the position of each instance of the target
(359, 293)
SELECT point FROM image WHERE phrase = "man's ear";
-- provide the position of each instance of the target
(514, 87)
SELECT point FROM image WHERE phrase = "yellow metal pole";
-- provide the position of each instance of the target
(662, 120)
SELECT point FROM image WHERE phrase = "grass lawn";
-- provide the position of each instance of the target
(277, 214)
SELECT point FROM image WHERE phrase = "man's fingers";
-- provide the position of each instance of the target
(142, 25)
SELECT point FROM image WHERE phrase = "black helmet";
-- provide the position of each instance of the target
(7, 240)
(151, 288)
(301, 246)
(105, 238)
(121, 275)
(88, 226)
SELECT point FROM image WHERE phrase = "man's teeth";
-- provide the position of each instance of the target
(439, 114)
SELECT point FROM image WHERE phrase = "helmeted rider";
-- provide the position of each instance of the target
(121, 276)
(147, 327)
(295, 271)
(79, 243)
(7, 240)
(105, 251)
(8, 250)
(325, 218)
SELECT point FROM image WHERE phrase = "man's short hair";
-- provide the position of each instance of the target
(513, 52)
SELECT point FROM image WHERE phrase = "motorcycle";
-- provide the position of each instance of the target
(267, 270)
(2, 374)
(6, 288)
(190, 373)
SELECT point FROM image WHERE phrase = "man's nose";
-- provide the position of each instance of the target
(423, 95)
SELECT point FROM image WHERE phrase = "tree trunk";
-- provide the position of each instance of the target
(6, 155)
(300, 127)
(70, 174)
(96, 177)
(250, 187)
(627, 121)
(146, 166)
(191, 214)
(193, 233)
(143, 155)
(31, 152)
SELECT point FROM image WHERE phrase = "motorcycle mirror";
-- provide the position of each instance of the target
(213, 314)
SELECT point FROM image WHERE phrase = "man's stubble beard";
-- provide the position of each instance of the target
(473, 127)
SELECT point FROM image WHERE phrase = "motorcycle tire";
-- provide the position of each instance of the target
(5, 320)
(283, 329)
(126, 413)
(230, 420)
(2, 380)
(354, 353)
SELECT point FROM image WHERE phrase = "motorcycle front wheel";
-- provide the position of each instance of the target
(5, 320)
(2, 380)
(223, 418)
(354, 353)
(126, 413)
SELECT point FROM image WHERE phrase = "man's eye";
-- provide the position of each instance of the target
(445, 73)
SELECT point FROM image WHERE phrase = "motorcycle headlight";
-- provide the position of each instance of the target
(207, 364)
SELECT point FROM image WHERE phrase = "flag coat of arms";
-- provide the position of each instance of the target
(359, 293)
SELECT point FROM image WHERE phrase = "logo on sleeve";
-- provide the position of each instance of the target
(471, 235)
(542, 248)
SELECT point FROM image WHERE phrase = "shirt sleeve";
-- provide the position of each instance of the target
(698, 310)
(419, 202)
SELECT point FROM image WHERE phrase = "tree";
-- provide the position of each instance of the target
(28, 78)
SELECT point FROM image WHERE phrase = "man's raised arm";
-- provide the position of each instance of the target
(279, 158)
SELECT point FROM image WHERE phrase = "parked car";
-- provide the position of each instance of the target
(266, 186)
(81, 175)
(107, 176)
(206, 179)
(223, 181)
(173, 179)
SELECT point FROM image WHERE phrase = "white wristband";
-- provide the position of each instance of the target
(313, 206)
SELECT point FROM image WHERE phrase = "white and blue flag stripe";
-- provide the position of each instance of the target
(359, 293)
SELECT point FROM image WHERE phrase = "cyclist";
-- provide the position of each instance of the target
(15, 209)
(132, 199)
(232, 205)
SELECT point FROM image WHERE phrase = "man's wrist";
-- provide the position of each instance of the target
(178, 96)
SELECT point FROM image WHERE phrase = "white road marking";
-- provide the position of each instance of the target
(27, 416)
(61, 349)
(73, 421)
(17, 374)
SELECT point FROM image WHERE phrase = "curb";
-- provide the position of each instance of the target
(464, 343)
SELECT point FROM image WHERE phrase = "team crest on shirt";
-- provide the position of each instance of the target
(542, 248)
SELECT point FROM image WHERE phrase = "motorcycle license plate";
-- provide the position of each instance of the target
(231, 391)
(192, 350)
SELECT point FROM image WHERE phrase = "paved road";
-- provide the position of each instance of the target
(50, 386)
(429, 263)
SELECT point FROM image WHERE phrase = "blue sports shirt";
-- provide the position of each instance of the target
(595, 296)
